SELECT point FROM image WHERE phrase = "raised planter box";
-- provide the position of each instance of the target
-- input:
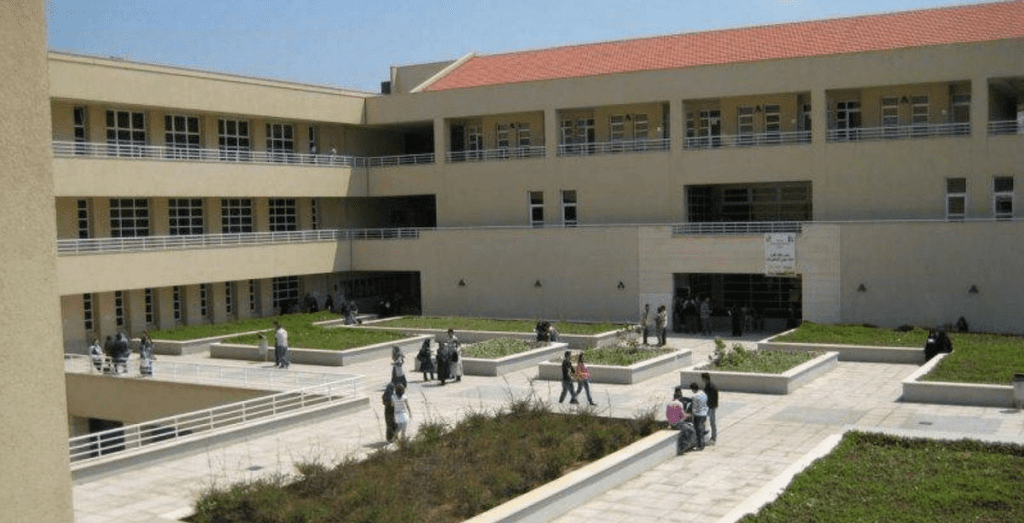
(758, 383)
(330, 358)
(499, 366)
(861, 353)
(619, 375)
(574, 341)
(944, 393)
(194, 346)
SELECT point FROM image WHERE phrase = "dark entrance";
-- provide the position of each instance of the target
(771, 301)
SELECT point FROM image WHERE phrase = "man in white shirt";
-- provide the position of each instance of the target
(700, 412)
(281, 355)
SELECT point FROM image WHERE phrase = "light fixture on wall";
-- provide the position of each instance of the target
(537, 284)
(757, 109)
(462, 283)
(904, 100)
(862, 288)
(622, 285)
(973, 290)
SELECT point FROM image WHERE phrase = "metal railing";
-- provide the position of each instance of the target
(898, 132)
(614, 147)
(212, 241)
(747, 140)
(722, 228)
(70, 149)
(400, 159)
(504, 153)
(1006, 127)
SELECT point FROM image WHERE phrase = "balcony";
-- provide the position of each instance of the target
(1006, 127)
(727, 228)
(899, 132)
(68, 149)
(504, 153)
(71, 247)
(615, 147)
(747, 140)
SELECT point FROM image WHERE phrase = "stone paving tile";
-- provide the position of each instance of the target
(760, 436)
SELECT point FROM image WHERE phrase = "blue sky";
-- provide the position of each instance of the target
(352, 44)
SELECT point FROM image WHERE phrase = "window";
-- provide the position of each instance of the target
(285, 292)
(523, 132)
(537, 208)
(204, 300)
(181, 136)
(503, 135)
(919, 115)
(617, 127)
(233, 140)
(704, 129)
(147, 296)
(577, 133)
(126, 133)
(87, 313)
(956, 198)
(772, 123)
(236, 215)
(79, 123)
(280, 142)
(119, 308)
(314, 214)
(312, 148)
(185, 216)
(474, 141)
(961, 113)
(890, 115)
(641, 127)
(129, 217)
(282, 214)
(228, 298)
(252, 295)
(1002, 190)
(176, 303)
(745, 125)
(848, 119)
(569, 209)
(83, 219)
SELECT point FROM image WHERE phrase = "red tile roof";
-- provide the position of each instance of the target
(950, 25)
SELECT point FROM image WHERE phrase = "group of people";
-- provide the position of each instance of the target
(448, 359)
(660, 321)
(688, 415)
(575, 374)
(546, 332)
(118, 349)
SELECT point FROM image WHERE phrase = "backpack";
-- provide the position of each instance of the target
(455, 355)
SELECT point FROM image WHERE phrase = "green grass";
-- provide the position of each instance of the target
(462, 323)
(192, 332)
(308, 336)
(980, 358)
(855, 335)
(445, 474)
(896, 480)
(763, 362)
(622, 356)
(497, 348)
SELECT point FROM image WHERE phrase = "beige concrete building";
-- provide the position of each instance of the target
(858, 170)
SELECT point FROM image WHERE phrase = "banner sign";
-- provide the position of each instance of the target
(780, 254)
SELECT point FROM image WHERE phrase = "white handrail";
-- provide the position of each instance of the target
(899, 131)
(747, 140)
(713, 228)
(1006, 127)
(503, 153)
(613, 147)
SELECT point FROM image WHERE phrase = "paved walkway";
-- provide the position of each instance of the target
(760, 436)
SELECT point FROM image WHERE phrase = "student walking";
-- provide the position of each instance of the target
(699, 406)
(567, 376)
(712, 393)
(583, 377)
(403, 414)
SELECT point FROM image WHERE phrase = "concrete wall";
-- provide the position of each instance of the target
(36, 482)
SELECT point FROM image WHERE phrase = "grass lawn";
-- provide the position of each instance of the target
(309, 336)
(980, 358)
(192, 332)
(854, 335)
(762, 362)
(495, 348)
(444, 474)
(462, 323)
(622, 356)
(872, 477)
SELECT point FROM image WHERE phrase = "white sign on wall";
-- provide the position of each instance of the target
(780, 254)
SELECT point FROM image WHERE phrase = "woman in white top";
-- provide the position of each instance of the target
(402, 411)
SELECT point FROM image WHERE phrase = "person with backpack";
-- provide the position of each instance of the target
(389, 411)
(454, 356)
(426, 360)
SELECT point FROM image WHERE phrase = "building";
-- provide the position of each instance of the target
(855, 170)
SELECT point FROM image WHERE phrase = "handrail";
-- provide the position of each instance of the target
(503, 153)
(899, 131)
(398, 159)
(208, 241)
(614, 147)
(721, 228)
(90, 447)
(747, 140)
(1006, 127)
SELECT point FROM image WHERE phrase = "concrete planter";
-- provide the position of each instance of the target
(618, 375)
(943, 393)
(757, 383)
(499, 366)
(181, 348)
(861, 353)
(329, 358)
(572, 340)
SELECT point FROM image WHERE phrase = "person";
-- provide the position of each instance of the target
(661, 324)
(397, 362)
(552, 334)
(645, 321)
(122, 351)
(389, 411)
(146, 355)
(542, 331)
(402, 412)
(699, 407)
(454, 356)
(281, 356)
(692, 314)
(675, 413)
(443, 365)
(712, 393)
(567, 378)
(96, 354)
(426, 360)
(583, 378)
(705, 316)
(329, 304)
(736, 318)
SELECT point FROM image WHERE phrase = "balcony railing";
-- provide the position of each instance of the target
(615, 147)
(747, 140)
(899, 131)
(213, 241)
(400, 159)
(722, 228)
(1006, 127)
(504, 153)
(65, 149)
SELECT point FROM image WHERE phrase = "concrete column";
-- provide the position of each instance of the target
(218, 302)
(135, 311)
(155, 127)
(100, 217)
(209, 136)
(212, 221)
(164, 305)
(677, 125)
(260, 214)
(103, 314)
(819, 117)
(551, 137)
(159, 219)
(265, 297)
(440, 140)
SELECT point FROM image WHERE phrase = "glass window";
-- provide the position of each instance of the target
(129, 217)
(537, 208)
(1002, 189)
(956, 198)
(569, 208)
(185, 216)
(236, 215)
(282, 214)
(233, 140)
